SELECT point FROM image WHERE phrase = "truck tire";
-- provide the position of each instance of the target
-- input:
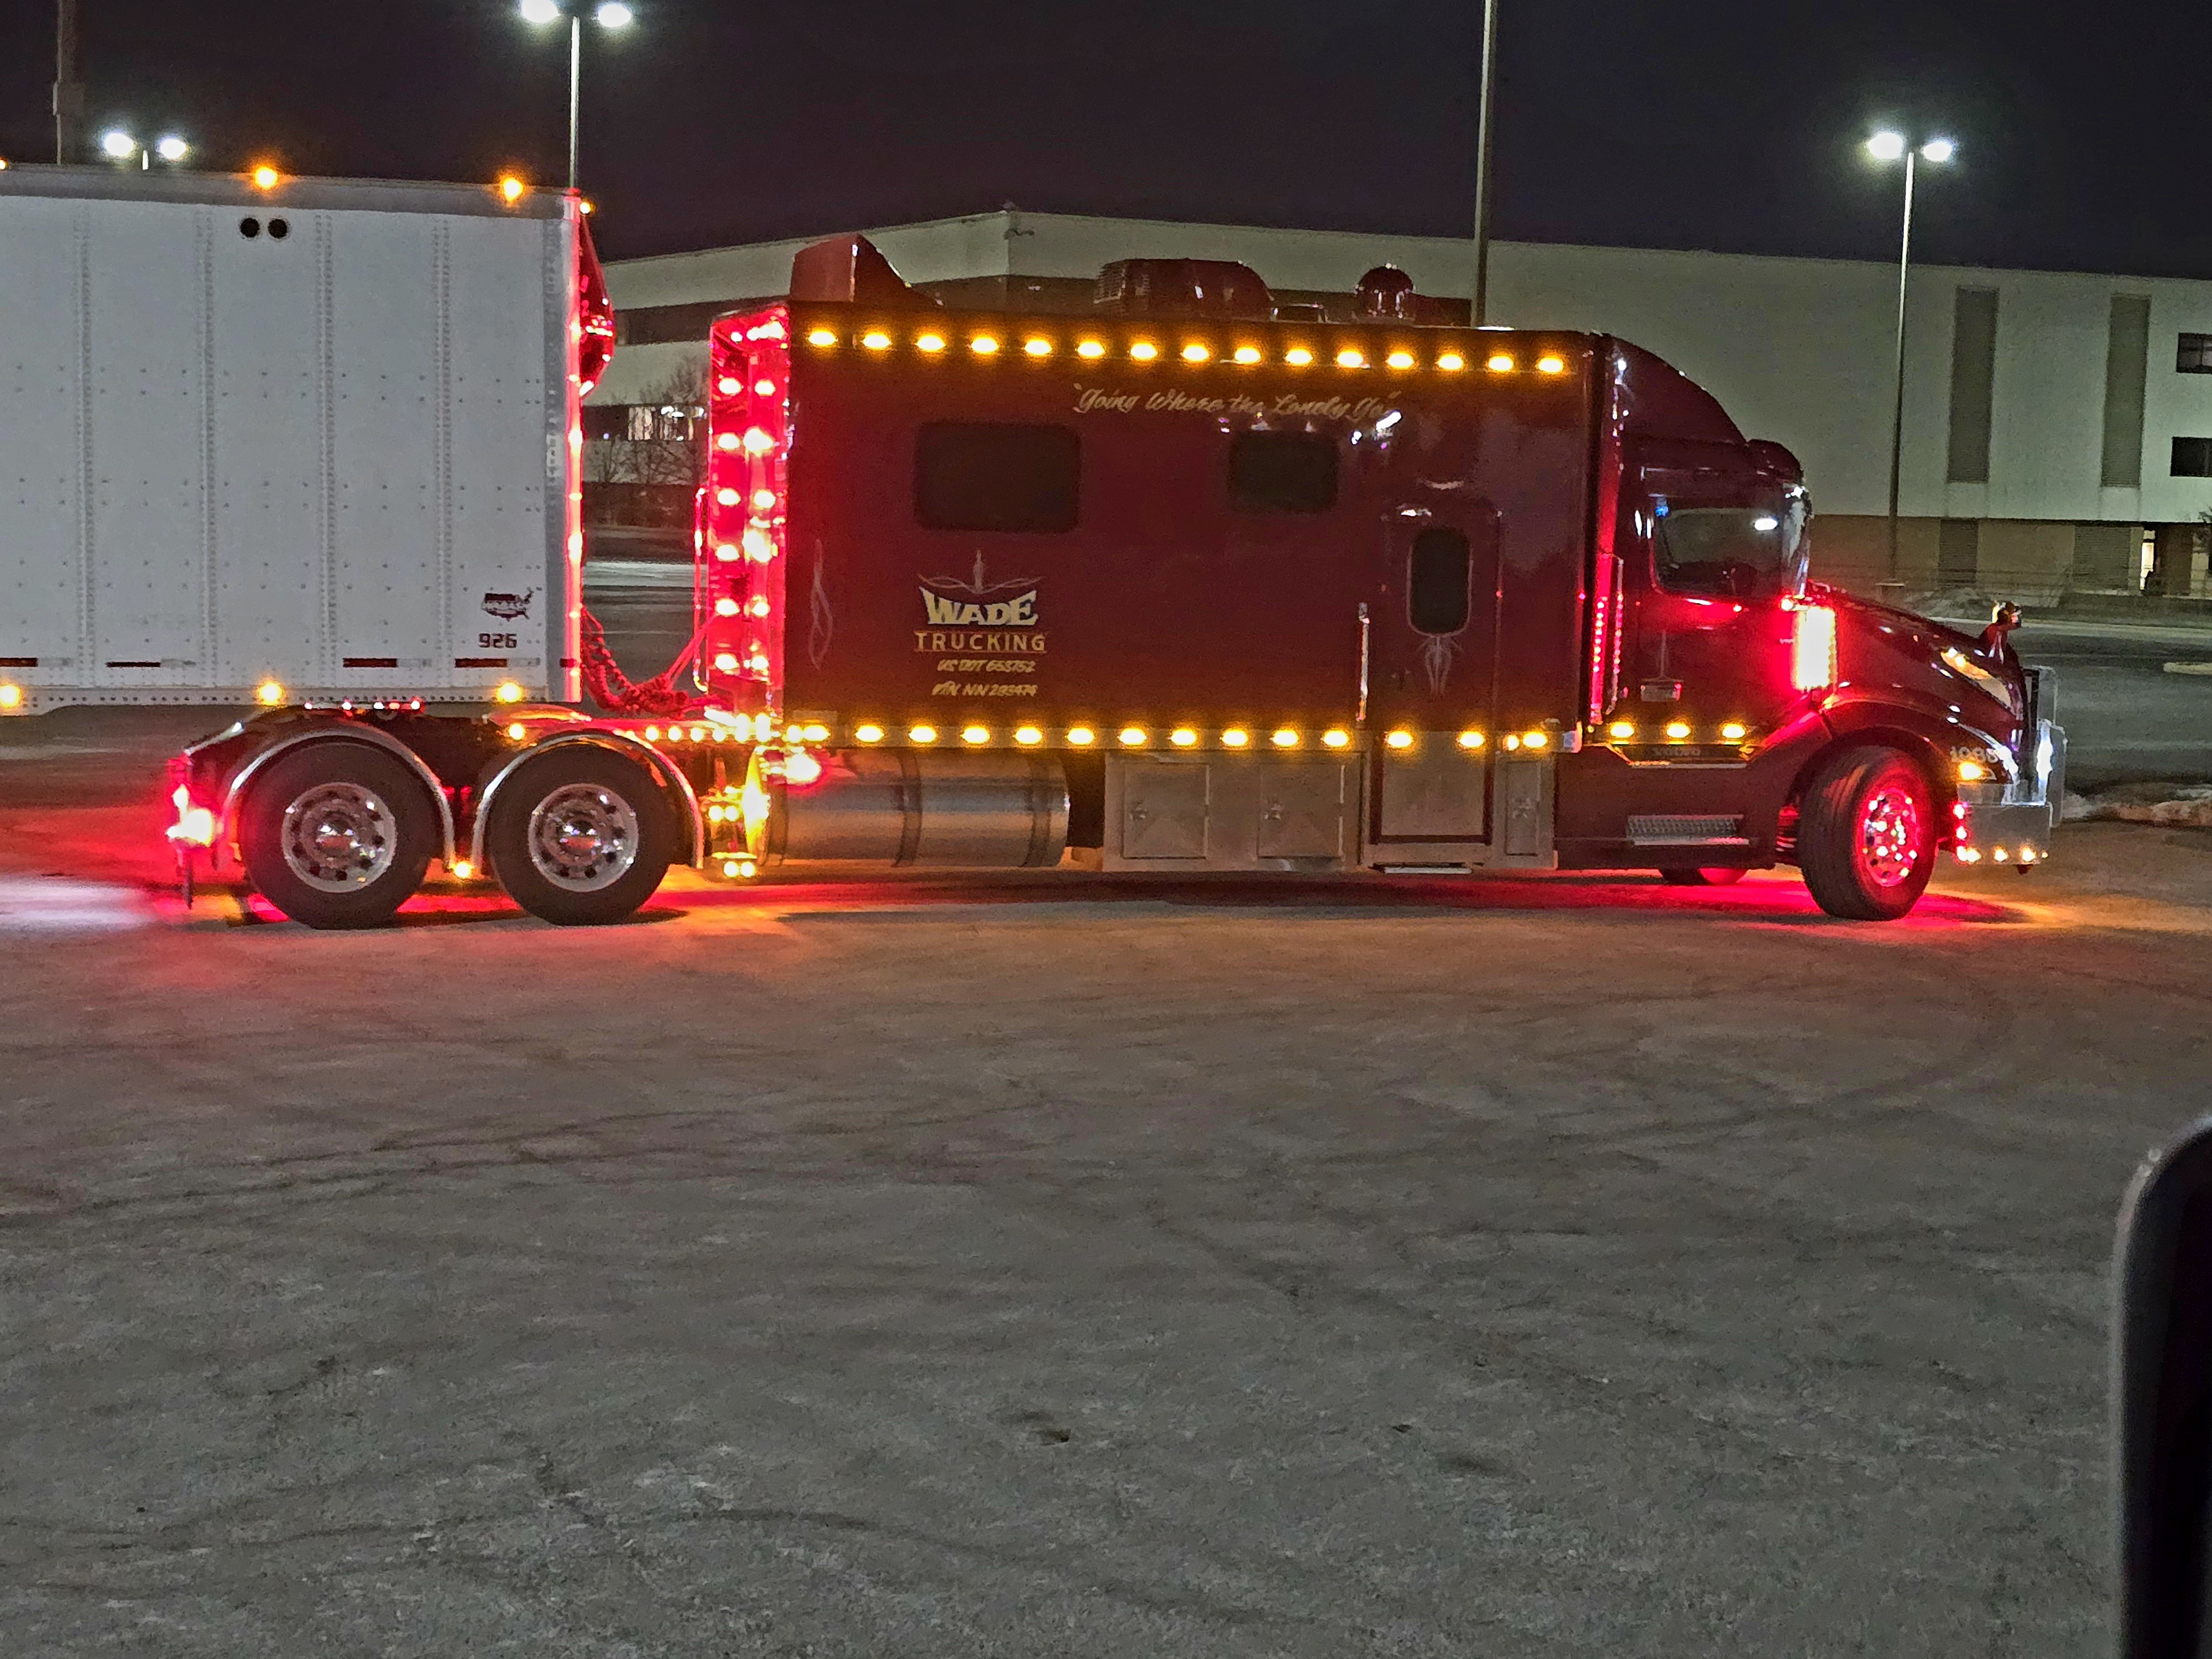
(1866, 835)
(336, 834)
(1720, 876)
(579, 835)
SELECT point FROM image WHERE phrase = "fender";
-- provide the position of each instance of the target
(665, 772)
(234, 796)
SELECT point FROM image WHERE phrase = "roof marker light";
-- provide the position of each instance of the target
(1677, 730)
(1551, 365)
(1027, 735)
(921, 734)
(507, 691)
(1144, 352)
(1297, 356)
(1335, 738)
(1451, 363)
(1081, 736)
(1182, 736)
(929, 343)
(1236, 738)
(1091, 349)
(1620, 731)
(822, 337)
(1351, 357)
(1038, 347)
(265, 177)
(11, 696)
(1133, 736)
(511, 188)
(1399, 739)
(1470, 739)
(269, 694)
(1499, 363)
(983, 344)
(1734, 731)
(1285, 738)
(868, 732)
(975, 735)
(1399, 360)
(1195, 353)
(1246, 354)
(876, 340)
(1535, 740)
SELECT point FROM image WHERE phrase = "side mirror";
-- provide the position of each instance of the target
(2162, 1399)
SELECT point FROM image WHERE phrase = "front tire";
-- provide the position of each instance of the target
(580, 836)
(337, 835)
(1866, 835)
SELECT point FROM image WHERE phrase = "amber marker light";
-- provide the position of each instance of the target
(1028, 735)
(726, 552)
(1551, 365)
(726, 442)
(1399, 360)
(1535, 740)
(1235, 737)
(868, 732)
(1677, 730)
(1470, 739)
(1499, 363)
(983, 344)
(1734, 731)
(1144, 352)
(1335, 738)
(1037, 348)
(1971, 771)
(1081, 736)
(1285, 738)
(510, 188)
(269, 694)
(462, 870)
(11, 696)
(822, 337)
(921, 734)
(1451, 363)
(1351, 358)
(975, 734)
(1398, 739)
(507, 691)
(1131, 736)
(815, 731)
(1297, 356)
(1090, 348)
(516, 732)
(930, 342)
(1246, 354)
(265, 177)
(1195, 353)
(1182, 736)
(1620, 731)
(876, 340)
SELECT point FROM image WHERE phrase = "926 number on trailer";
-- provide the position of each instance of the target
(496, 642)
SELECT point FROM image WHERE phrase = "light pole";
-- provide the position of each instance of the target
(608, 14)
(123, 150)
(1477, 311)
(1887, 146)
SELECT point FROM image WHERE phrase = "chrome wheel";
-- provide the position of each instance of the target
(583, 837)
(338, 837)
(1889, 835)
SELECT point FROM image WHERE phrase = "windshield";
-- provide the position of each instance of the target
(1744, 552)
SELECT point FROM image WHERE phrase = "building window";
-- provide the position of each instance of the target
(1282, 471)
(2192, 355)
(2192, 458)
(991, 475)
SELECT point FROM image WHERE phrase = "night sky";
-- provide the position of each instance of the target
(2085, 130)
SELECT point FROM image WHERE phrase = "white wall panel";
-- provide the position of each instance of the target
(41, 443)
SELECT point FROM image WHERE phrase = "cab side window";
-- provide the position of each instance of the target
(997, 475)
(1282, 472)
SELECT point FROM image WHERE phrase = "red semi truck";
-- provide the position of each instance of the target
(1188, 585)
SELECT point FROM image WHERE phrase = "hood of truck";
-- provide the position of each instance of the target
(1941, 672)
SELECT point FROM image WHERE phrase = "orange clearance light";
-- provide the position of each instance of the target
(1037, 348)
(1997, 855)
(1285, 738)
(1451, 363)
(2028, 855)
(1081, 736)
(729, 386)
(653, 734)
(763, 387)
(1235, 737)
(1470, 739)
(1551, 365)
(265, 177)
(730, 866)
(508, 691)
(1195, 353)
(1246, 354)
(462, 870)
(876, 340)
(1351, 358)
(921, 734)
(757, 605)
(983, 344)
(815, 731)
(760, 546)
(929, 343)
(1182, 736)
(510, 188)
(1399, 360)
(1399, 739)
(269, 694)
(822, 337)
(1733, 732)
(1091, 349)
(1144, 352)
(1971, 771)
(975, 735)
(1297, 356)
(1677, 730)
(11, 696)
(1028, 734)
(1131, 736)
(869, 732)
(1620, 731)
(1512, 740)
(1335, 738)
(1812, 649)
(801, 769)
(1499, 363)
(1535, 740)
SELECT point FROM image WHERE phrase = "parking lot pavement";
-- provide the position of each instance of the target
(1410, 1267)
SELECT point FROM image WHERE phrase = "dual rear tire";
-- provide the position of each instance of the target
(339, 834)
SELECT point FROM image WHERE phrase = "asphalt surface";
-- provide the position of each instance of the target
(1018, 1267)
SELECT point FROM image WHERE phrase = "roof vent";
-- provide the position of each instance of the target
(1387, 291)
(1184, 288)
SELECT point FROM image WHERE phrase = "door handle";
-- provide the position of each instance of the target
(1360, 718)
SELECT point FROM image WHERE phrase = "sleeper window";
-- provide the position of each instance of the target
(1282, 471)
(996, 475)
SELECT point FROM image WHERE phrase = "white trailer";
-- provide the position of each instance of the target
(289, 441)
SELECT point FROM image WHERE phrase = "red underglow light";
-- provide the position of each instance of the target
(1812, 647)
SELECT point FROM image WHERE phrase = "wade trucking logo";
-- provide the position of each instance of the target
(982, 637)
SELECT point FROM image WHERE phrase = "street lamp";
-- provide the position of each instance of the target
(121, 147)
(1888, 146)
(612, 15)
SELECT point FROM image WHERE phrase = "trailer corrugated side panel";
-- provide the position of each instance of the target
(340, 459)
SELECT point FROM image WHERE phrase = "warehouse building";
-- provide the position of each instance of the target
(2057, 426)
